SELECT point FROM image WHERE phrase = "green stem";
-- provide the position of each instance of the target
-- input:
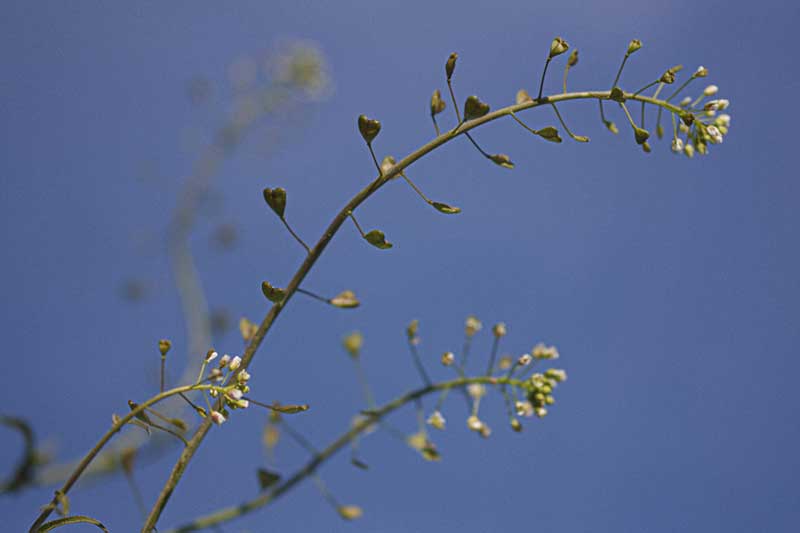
(309, 469)
(312, 258)
(295, 235)
(87, 459)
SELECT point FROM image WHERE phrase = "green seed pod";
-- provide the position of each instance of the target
(474, 108)
(377, 239)
(558, 47)
(273, 294)
(276, 199)
(502, 159)
(437, 104)
(369, 128)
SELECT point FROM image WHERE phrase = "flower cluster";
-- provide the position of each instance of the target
(232, 394)
(700, 124)
(540, 393)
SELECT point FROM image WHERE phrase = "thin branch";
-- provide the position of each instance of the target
(309, 469)
(116, 427)
(327, 236)
(295, 235)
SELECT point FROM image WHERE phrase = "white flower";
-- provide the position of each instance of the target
(723, 120)
(499, 329)
(235, 363)
(243, 376)
(524, 359)
(474, 423)
(711, 90)
(677, 145)
(476, 390)
(218, 418)
(448, 358)
(472, 325)
(715, 134)
(524, 408)
(686, 101)
(436, 420)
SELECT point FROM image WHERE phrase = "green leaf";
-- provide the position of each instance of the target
(446, 209)
(474, 108)
(502, 159)
(77, 519)
(549, 133)
(369, 128)
(266, 478)
(377, 239)
(276, 199)
(273, 294)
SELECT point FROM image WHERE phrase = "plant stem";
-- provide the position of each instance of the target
(87, 459)
(311, 259)
(229, 513)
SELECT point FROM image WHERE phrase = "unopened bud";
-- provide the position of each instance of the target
(450, 66)
(634, 45)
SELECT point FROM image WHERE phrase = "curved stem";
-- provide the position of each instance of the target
(87, 459)
(375, 416)
(333, 227)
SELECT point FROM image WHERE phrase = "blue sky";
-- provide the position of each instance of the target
(669, 285)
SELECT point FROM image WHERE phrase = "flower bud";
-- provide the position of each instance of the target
(218, 418)
(211, 355)
(448, 358)
(516, 425)
(163, 346)
(641, 135)
(450, 66)
(677, 145)
(573, 58)
(701, 72)
(711, 90)
(686, 101)
(472, 325)
(688, 150)
(499, 330)
(633, 46)
(345, 300)
(235, 363)
(436, 420)
(224, 360)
